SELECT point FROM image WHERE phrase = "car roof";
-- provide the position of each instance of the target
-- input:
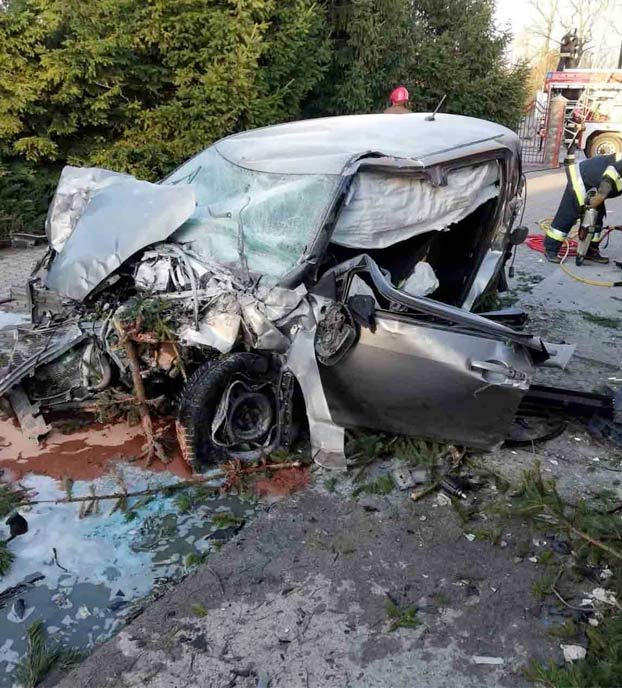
(329, 145)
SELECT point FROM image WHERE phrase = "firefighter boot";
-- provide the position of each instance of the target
(551, 249)
(593, 254)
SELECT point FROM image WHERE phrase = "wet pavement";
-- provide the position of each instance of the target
(86, 574)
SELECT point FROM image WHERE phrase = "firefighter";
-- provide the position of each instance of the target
(604, 173)
(399, 102)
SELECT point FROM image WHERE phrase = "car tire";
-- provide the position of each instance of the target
(604, 144)
(199, 401)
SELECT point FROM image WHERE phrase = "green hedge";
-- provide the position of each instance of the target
(140, 86)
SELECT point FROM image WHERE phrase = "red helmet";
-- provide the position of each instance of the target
(399, 95)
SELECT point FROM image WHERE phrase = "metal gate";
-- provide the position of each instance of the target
(532, 132)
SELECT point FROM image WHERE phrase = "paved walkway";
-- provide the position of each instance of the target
(16, 265)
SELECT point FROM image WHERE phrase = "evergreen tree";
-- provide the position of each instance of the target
(433, 47)
(140, 85)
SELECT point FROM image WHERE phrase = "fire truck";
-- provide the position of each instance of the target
(593, 120)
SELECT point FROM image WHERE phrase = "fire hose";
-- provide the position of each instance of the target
(536, 243)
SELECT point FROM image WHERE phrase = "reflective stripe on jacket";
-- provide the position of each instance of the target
(591, 172)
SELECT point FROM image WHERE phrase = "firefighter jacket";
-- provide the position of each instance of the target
(603, 170)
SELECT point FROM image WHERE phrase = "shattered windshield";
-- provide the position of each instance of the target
(280, 214)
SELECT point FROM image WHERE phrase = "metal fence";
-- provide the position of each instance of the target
(532, 132)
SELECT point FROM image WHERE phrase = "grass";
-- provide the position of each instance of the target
(418, 452)
(602, 320)
(566, 630)
(383, 485)
(543, 586)
(602, 668)
(401, 617)
(41, 657)
(494, 301)
(193, 498)
(198, 610)
(331, 483)
(11, 497)
(589, 527)
(226, 519)
(493, 534)
(363, 449)
(195, 558)
(595, 536)
(527, 282)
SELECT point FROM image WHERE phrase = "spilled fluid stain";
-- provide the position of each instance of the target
(87, 575)
(284, 482)
(81, 454)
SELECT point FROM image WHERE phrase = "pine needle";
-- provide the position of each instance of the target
(6, 558)
(41, 657)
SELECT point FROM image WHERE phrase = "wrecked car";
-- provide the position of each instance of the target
(320, 273)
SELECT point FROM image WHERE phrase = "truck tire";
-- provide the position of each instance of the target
(199, 402)
(604, 144)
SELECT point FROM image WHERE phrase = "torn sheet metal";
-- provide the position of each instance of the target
(32, 348)
(327, 438)
(118, 221)
(75, 189)
(30, 420)
(217, 330)
(154, 274)
(264, 335)
(440, 310)
(490, 265)
(559, 354)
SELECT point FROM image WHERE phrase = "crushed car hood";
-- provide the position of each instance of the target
(119, 219)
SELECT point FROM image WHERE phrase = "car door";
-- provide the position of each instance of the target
(423, 378)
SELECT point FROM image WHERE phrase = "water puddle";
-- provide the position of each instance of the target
(85, 576)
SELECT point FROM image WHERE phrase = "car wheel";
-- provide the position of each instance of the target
(228, 410)
(604, 144)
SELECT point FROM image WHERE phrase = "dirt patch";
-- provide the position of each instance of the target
(283, 482)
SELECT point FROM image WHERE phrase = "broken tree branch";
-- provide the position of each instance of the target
(153, 447)
(119, 495)
(182, 485)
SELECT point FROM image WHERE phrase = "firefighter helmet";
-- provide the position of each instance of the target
(399, 95)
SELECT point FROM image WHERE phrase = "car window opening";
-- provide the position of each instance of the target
(453, 251)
